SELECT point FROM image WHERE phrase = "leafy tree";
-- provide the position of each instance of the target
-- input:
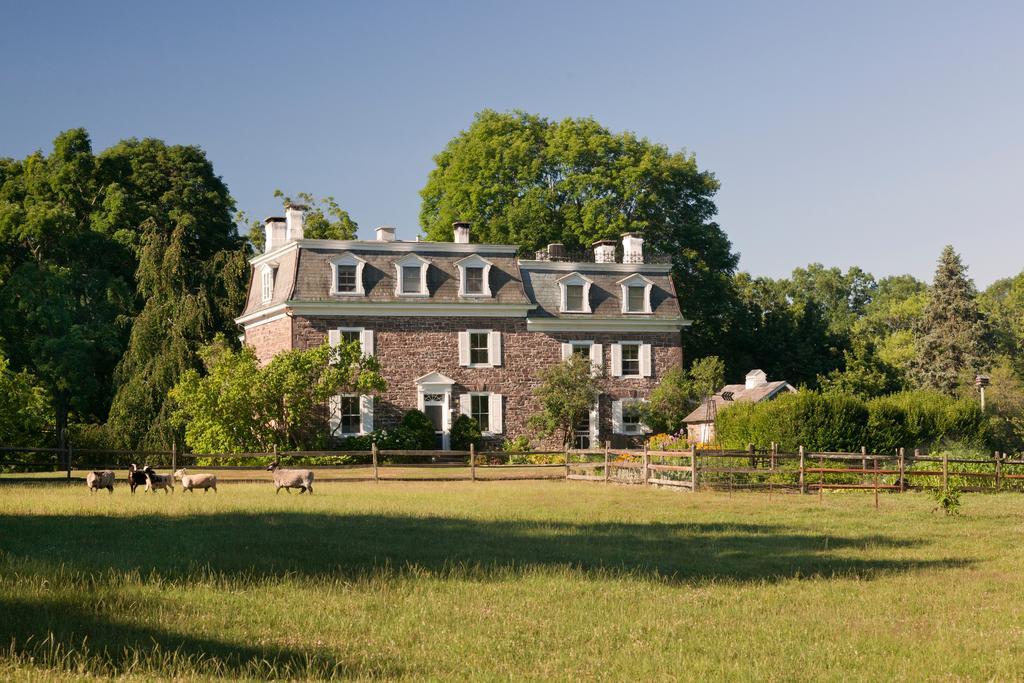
(680, 391)
(465, 432)
(190, 276)
(951, 336)
(842, 297)
(324, 220)
(566, 395)
(1003, 305)
(25, 413)
(239, 406)
(523, 179)
(864, 373)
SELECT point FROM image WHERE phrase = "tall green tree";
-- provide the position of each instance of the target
(324, 220)
(190, 276)
(65, 290)
(951, 338)
(565, 396)
(523, 179)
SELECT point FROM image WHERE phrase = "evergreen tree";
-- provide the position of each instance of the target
(951, 340)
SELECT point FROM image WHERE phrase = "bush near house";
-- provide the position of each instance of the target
(838, 422)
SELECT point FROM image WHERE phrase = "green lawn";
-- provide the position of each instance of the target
(507, 580)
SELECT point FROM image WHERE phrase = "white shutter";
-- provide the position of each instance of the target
(645, 360)
(566, 350)
(495, 351)
(595, 424)
(464, 349)
(465, 406)
(365, 414)
(616, 360)
(617, 417)
(334, 337)
(597, 358)
(366, 341)
(334, 413)
(494, 415)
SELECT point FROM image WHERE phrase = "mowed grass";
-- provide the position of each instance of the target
(507, 580)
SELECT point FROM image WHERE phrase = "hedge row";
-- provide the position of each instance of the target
(836, 422)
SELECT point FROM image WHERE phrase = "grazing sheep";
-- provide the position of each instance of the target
(100, 480)
(136, 477)
(291, 479)
(196, 481)
(156, 481)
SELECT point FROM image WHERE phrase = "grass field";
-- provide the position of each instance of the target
(510, 580)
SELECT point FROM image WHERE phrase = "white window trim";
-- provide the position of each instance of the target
(411, 260)
(618, 425)
(574, 279)
(268, 272)
(494, 350)
(365, 415)
(474, 261)
(632, 281)
(596, 353)
(495, 402)
(347, 259)
(644, 354)
(365, 338)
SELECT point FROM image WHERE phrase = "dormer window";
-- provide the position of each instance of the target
(347, 275)
(267, 282)
(474, 276)
(636, 294)
(412, 276)
(575, 290)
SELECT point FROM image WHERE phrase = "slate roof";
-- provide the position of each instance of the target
(761, 392)
(541, 286)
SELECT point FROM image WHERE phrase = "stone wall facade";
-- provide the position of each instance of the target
(270, 338)
(410, 347)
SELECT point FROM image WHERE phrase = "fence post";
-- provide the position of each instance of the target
(863, 459)
(803, 486)
(68, 441)
(693, 468)
(607, 461)
(876, 482)
(902, 470)
(821, 478)
(644, 472)
(373, 452)
(566, 464)
(472, 462)
(174, 455)
(945, 470)
(999, 471)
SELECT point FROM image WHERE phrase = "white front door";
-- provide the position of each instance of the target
(435, 405)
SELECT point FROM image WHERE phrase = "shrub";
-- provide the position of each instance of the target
(465, 432)
(416, 432)
(947, 500)
(517, 446)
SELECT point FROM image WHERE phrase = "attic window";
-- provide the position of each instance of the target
(474, 280)
(412, 276)
(411, 280)
(574, 297)
(636, 294)
(347, 275)
(267, 282)
(474, 276)
(575, 294)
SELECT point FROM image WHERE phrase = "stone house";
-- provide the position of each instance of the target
(465, 328)
(700, 424)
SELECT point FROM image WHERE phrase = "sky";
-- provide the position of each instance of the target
(867, 133)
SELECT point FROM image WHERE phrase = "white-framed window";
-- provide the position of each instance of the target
(595, 352)
(351, 415)
(474, 276)
(574, 293)
(636, 294)
(360, 334)
(347, 275)
(267, 276)
(485, 408)
(412, 276)
(586, 434)
(480, 348)
(631, 359)
(627, 416)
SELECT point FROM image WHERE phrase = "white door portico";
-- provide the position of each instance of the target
(434, 397)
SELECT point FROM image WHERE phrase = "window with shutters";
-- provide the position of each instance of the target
(631, 417)
(480, 410)
(267, 284)
(479, 348)
(581, 349)
(630, 359)
(349, 414)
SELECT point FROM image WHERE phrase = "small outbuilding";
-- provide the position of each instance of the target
(700, 424)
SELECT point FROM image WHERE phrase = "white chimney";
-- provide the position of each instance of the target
(604, 251)
(386, 233)
(632, 247)
(275, 229)
(294, 228)
(756, 378)
(461, 232)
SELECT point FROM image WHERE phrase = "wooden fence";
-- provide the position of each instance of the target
(692, 470)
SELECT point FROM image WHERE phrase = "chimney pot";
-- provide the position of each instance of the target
(461, 229)
(632, 247)
(386, 233)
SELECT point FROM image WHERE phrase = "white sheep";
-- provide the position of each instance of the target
(100, 480)
(291, 479)
(196, 481)
(156, 481)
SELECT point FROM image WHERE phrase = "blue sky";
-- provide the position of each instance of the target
(860, 133)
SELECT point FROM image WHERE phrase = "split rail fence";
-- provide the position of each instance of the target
(693, 470)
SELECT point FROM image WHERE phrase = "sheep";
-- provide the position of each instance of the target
(136, 477)
(291, 479)
(156, 481)
(196, 481)
(100, 480)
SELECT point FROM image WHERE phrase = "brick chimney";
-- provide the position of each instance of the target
(386, 233)
(604, 251)
(293, 218)
(461, 232)
(275, 230)
(632, 247)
